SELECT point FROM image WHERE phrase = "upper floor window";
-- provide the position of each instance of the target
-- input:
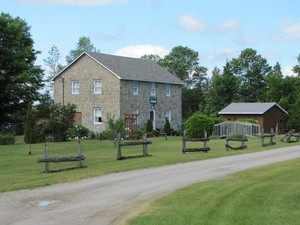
(168, 90)
(152, 89)
(97, 86)
(75, 87)
(168, 115)
(97, 115)
(135, 88)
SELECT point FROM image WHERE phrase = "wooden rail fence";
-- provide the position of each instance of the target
(68, 158)
(271, 136)
(185, 139)
(121, 144)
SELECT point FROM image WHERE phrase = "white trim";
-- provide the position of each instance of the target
(84, 53)
(168, 87)
(72, 87)
(152, 89)
(168, 115)
(100, 92)
(98, 116)
(135, 86)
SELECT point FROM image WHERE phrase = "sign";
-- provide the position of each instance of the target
(153, 100)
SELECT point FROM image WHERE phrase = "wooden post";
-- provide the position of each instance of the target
(183, 141)
(145, 150)
(262, 137)
(46, 155)
(79, 153)
(271, 138)
(227, 140)
(119, 155)
(205, 136)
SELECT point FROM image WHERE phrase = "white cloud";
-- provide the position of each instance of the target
(287, 71)
(189, 22)
(229, 26)
(289, 31)
(69, 2)
(138, 51)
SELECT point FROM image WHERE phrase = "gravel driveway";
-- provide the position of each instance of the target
(108, 199)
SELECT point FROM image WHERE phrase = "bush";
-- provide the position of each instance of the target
(167, 127)
(196, 124)
(149, 126)
(7, 140)
(79, 131)
(217, 120)
(115, 126)
(247, 120)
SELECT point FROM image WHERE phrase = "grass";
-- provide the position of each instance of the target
(21, 171)
(268, 195)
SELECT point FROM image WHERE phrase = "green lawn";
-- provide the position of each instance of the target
(21, 171)
(268, 195)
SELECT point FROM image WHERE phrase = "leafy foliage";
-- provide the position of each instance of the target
(79, 132)
(61, 120)
(248, 120)
(84, 45)
(167, 127)
(7, 139)
(115, 126)
(197, 124)
(149, 126)
(20, 79)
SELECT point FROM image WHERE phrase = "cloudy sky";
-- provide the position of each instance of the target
(218, 30)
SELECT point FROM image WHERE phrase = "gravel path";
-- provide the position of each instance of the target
(108, 199)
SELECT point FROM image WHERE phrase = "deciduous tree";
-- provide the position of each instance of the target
(20, 79)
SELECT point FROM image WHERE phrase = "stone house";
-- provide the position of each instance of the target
(101, 85)
(268, 114)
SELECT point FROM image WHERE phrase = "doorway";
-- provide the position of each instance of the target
(152, 118)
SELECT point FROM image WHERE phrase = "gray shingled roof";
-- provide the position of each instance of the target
(249, 108)
(127, 68)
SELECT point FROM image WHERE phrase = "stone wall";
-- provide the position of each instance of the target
(86, 70)
(130, 102)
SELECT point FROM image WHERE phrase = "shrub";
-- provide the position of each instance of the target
(217, 120)
(106, 134)
(115, 126)
(167, 127)
(196, 124)
(7, 140)
(149, 126)
(247, 120)
(79, 131)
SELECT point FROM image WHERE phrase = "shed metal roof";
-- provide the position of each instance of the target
(249, 108)
(126, 68)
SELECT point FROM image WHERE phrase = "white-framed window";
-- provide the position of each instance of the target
(152, 89)
(136, 111)
(168, 115)
(97, 86)
(168, 90)
(135, 88)
(75, 87)
(97, 115)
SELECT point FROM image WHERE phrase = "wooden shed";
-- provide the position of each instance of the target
(268, 115)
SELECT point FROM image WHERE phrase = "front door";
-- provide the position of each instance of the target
(152, 118)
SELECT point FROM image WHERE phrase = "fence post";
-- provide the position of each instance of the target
(145, 150)
(205, 136)
(184, 141)
(262, 137)
(119, 147)
(46, 155)
(79, 153)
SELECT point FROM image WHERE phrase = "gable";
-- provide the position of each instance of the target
(126, 68)
(249, 108)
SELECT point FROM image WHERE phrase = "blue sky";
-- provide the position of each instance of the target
(217, 30)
